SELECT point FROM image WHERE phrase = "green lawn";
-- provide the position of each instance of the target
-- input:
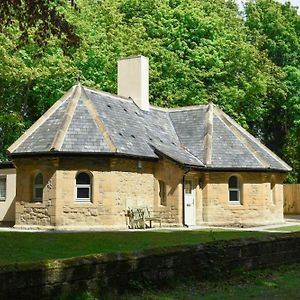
(26, 246)
(293, 228)
(280, 284)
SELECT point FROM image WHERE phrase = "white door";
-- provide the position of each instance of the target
(189, 203)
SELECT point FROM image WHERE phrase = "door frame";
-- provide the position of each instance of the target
(193, 180)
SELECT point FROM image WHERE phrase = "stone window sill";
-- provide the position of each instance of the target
(83, 204)
(236, 205)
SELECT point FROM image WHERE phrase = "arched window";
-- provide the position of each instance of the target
(38, 187)
(234, 189)
(83, 187)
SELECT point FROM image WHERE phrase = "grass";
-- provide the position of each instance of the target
(25, 246)
(280, 284)
(293, 228)
(277, 284)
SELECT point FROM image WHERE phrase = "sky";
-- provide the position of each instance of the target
(293, 2)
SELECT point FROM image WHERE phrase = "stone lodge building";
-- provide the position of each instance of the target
(93, 155)
(7, 193)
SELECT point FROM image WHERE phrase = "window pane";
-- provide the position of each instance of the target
(233, 182)
(2, 188)
(233, 196)
(83, 178)
(188, 186)
(83, 193)
(162, 193)
(39, 179)
(38, 192)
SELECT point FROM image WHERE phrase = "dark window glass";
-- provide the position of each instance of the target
(2, 188)
(234, 189)
(162, 193)
(233, 182)
(83, 193)
(38, 187)
(38, 193)
(83, 178)
(38, 179)
(233, 196)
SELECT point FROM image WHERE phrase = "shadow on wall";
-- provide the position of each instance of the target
(9, 216)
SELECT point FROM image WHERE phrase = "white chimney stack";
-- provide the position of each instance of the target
(133, 80)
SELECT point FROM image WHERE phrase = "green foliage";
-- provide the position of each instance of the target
(10, 122)
(38, 19)
(199, 51)
(274, 29)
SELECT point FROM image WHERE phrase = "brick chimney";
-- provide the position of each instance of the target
(133, 80)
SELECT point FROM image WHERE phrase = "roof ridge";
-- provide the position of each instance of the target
(60, 135)
(183, 108)
(43, 118)
(99, 123)
(109, 94)
(165, 109)
(208, 133)
(237, 132)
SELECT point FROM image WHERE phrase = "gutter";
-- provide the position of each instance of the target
(79, 154)
(133, 156)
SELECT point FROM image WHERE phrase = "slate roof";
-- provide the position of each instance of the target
(86, 121)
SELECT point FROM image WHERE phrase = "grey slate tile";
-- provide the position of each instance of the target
(176, 134)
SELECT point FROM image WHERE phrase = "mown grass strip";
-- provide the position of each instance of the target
(27, 246)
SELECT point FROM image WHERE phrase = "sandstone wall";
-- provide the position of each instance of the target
(116, 185)
(29, 212)
(7, 206)
(259, 204)
(172, 175)
(119, 184)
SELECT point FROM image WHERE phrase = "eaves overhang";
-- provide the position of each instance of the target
(6, 165)
(79, 154)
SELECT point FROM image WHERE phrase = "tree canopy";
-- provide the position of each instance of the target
(247, 63)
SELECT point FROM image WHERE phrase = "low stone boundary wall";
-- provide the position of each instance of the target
(115, 272)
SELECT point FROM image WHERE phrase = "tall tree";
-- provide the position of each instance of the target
(38, 19)
(274, 28)
(199, 51)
